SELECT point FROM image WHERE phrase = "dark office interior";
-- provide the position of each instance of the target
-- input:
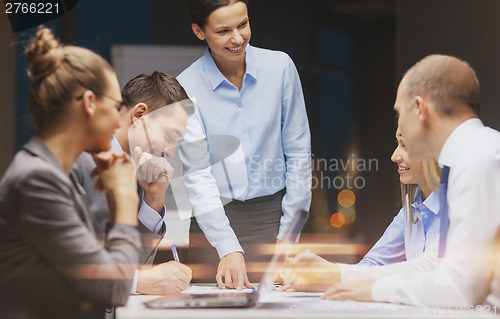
(350, 55)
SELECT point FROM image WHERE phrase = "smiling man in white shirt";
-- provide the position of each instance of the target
(438, 105)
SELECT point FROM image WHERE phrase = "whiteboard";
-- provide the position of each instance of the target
(131, 60)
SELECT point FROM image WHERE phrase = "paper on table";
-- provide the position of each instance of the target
(214, 290)
(287, 297)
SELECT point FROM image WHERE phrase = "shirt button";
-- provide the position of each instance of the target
(248, 161)
(239, 105)
(244, 131)
(246, 186)
(426, 216)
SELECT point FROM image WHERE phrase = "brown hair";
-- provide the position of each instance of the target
(199, 10)
(447, 80)
(432, 173)
(155, 90)
(57, 72)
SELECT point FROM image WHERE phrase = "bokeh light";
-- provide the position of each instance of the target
(346, 198)
(337, 220)
(349, 214)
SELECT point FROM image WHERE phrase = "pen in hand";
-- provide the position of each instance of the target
(174, 253)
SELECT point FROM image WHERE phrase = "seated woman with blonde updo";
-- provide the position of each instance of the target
(51, 263)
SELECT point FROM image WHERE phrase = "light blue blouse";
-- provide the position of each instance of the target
(258, 138)
(398, 243)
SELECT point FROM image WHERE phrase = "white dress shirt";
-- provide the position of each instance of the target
(463, 277)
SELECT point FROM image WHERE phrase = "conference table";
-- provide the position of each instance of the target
(281, 305)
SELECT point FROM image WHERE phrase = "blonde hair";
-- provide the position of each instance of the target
(57, 72)
(432, 175)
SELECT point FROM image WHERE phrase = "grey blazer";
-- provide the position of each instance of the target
(98, 205)
(52, 265)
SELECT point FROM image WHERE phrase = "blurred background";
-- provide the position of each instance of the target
(350, 55)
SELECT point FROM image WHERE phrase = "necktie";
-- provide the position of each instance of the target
(443, 211)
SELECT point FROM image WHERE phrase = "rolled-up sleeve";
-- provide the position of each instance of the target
(202, 190)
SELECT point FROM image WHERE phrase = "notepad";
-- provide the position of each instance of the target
(215, 290)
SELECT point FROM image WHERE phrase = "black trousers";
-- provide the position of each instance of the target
(255, 222)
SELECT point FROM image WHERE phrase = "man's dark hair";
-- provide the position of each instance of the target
(155, 90)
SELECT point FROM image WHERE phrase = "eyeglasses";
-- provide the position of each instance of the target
(119, 104)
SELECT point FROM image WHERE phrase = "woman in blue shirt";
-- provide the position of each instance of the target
(417, 224)
(409, 243)
(250, 107)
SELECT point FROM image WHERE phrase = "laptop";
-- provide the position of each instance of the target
(236, 299)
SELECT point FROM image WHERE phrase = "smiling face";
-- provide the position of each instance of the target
(158, 132)
(409, 172)
(227, 33)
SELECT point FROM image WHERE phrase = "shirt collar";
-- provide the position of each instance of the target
(431, 202)
(457, 139)
(251, 61)
(214, 75)
(115, 146)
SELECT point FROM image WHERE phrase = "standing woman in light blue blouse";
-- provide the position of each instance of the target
(409, 243)
(252, 97)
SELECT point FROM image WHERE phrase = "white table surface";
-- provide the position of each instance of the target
(297, 306)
